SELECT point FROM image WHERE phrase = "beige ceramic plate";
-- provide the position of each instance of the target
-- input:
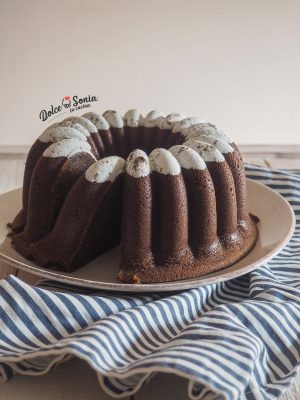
(277, 223)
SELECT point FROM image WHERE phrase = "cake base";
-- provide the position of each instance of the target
(226, 255)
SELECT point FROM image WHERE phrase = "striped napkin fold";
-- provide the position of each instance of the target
(238, 339)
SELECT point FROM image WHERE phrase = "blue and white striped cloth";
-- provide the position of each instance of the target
(238, 339)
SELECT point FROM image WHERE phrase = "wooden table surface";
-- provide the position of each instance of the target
(75, 379)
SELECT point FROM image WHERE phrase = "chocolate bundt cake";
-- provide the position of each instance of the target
(170, 189)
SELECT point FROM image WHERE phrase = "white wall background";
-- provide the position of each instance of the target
(233, 62)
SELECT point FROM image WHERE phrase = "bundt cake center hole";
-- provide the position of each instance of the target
(146, 139)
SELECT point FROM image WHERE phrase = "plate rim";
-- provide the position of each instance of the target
(164, 286)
